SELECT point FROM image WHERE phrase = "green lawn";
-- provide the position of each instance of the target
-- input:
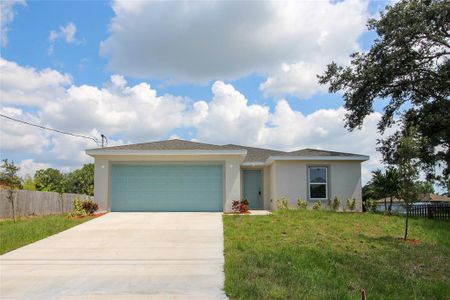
(31, 229)
(326, 255)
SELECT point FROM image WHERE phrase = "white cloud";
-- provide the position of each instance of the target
(136, 113)
(27, 86)
(299, 79)
(7, 15)
(67, 33)
(29, 167)
(16, 137)
(228, 116)
(49, 98)
(288, 41)
(336, 29)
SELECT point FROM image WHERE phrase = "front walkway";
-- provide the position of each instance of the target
(122, 256)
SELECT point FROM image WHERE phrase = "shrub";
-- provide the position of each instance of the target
(240, 206)
(351, 204)
(317, 205)
(370, 205)
(301, 204)
(83, 207)
(236, 206)
(244, 206)
(282, 203)
(335, 203)
(90, 206)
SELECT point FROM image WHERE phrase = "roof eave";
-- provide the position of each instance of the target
(106, 152)
(360, 158)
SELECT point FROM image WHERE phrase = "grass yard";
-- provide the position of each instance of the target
(31, 229)
(327, 255)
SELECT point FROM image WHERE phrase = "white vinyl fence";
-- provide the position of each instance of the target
(37, 203)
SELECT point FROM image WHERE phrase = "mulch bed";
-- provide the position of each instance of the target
(99, 214)
(94, 216)
(411, 241)
(238, 213)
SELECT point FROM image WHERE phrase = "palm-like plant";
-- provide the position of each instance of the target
(385, 184)
(379, 185)
(392, 184)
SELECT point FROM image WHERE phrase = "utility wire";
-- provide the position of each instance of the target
(52, 129)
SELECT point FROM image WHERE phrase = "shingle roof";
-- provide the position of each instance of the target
(422, 198)
(174, 144)
(436, 198)
(317, 152)
(253, 154)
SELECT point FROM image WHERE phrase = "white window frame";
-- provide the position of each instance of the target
(316, 183)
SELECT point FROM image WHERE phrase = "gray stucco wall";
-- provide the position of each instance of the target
(290, 179)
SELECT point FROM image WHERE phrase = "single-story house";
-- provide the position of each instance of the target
(178, 175)
(398, 205)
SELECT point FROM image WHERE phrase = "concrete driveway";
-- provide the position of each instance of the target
(122, 256)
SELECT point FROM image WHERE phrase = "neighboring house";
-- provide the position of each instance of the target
(398, 206)
(177, 175)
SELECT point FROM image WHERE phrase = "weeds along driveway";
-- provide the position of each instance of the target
(122, 255)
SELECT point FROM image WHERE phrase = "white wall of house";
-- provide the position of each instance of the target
(231, 167)
(290, 180)
(273, 187)
(266, 188)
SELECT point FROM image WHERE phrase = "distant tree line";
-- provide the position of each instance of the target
(79, 181)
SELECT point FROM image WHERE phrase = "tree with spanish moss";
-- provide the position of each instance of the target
(408, 66)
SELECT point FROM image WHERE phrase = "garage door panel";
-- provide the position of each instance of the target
(167, 187)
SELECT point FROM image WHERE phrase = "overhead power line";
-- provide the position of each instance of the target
(55, 130)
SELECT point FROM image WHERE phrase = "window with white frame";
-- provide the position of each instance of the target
(318, 183)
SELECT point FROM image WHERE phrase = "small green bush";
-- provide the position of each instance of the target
(335, 203)
(301, 204)
(370, 205)
(84, 207)
(317, 205)
(351, 204)
(282, 203)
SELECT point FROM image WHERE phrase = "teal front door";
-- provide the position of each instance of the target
(253, 188)
(166, 187)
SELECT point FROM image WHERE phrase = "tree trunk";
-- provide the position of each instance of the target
(62, 203)
(390, 204)
(385, 204)
(406, 222)
(11, 199)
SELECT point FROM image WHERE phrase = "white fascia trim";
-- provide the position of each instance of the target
(319, 158)
(101, 152)
(253, 164)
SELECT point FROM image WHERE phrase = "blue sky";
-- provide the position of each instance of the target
(228, 88)
(28, 45)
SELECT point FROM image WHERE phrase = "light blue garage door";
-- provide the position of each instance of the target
(166, 187)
